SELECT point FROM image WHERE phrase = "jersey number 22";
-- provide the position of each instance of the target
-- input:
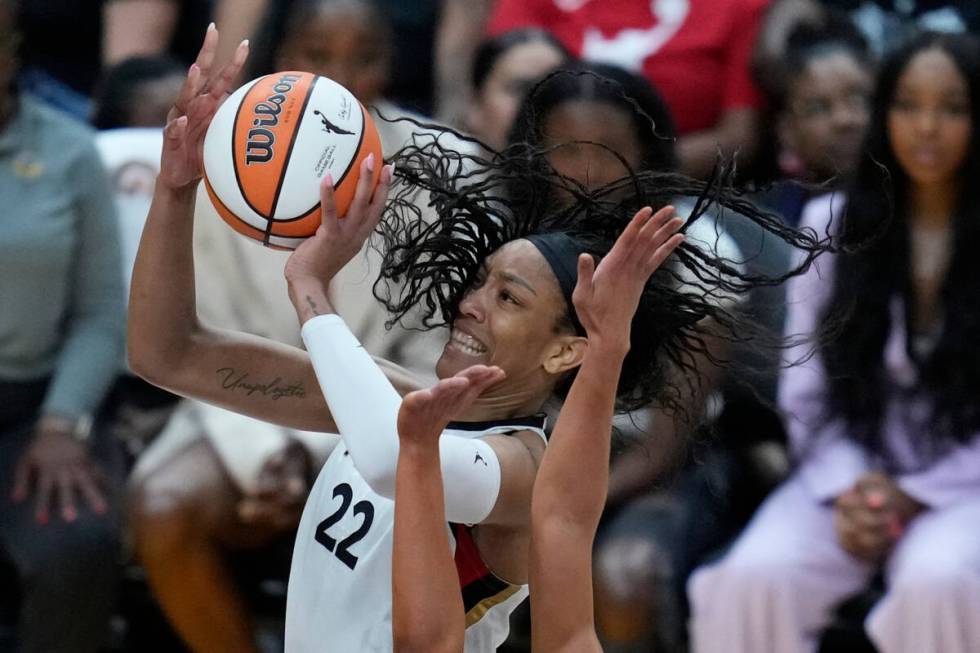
(341, 548)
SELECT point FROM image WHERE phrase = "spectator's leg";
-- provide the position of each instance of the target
(774, 590)
(184, 523)
(933, 578)
(67, 571)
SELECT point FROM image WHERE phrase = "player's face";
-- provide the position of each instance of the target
(827, 113)
(342, 44)
(595, 122)
(510, 318)
(929, 122)
(515, 72)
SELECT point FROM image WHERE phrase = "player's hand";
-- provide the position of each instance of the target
(424, 414)
(182, 159)
(57, 467)
(339, 238)
(606, 296)
(281, 491)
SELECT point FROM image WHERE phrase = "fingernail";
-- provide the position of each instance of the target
(211, 27)
(70, 515)
(328, 180)
(193, 69)
(369, 162)
(243, 44)
(875, 500)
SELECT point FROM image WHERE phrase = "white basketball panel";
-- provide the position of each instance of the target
(327, 141)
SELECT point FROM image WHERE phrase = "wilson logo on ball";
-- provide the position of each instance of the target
(258, 149)
(270, 144)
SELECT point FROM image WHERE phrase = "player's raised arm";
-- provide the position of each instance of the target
(427, 607)
(167, 344)
(570, 489)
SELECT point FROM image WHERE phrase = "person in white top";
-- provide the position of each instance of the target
(503, 284)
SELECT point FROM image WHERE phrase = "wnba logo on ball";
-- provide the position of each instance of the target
(258, 148)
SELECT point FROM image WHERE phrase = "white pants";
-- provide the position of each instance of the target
(775, 589)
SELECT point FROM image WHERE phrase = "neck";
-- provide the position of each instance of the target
(933, 205)
(508, 403)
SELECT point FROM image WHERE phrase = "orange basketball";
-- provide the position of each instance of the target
(271, 143)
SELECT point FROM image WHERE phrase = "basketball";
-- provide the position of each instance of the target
(272, 142)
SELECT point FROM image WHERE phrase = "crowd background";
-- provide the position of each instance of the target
(132, 520)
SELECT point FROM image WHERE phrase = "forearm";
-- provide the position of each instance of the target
(571, 483)
(137, 28)
(459, 32)
(427, 608)
(162, 303)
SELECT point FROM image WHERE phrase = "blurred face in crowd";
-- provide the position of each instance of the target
(827, 113)
(495, 103)
(591, 165)
(930, 120)
(343, 40)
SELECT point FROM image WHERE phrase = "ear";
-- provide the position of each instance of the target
(566, 354)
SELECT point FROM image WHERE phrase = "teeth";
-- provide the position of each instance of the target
(468, 344)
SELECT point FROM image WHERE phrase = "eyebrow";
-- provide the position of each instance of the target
(513, 278)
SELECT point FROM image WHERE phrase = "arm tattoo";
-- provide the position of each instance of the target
(312, 304)
(235, 381)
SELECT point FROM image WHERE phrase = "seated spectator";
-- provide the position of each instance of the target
(61, 342)
(883, 418)
(505, 67)
(695, 52)
(819, 115)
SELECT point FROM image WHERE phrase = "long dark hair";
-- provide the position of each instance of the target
(866, 284)
(429, 266)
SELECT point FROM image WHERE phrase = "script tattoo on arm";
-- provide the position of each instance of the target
(237, 381)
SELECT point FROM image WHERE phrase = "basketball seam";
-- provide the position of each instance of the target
(234, 133)
(289, 149)
(214, 196)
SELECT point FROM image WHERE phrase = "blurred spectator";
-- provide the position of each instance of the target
(60, 347)
(884, 417)
(695, 52)
(505, 67)
(819, 114)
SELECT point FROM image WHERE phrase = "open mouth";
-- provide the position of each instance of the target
(467, 343)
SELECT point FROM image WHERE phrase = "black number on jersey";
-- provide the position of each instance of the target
(363, 508)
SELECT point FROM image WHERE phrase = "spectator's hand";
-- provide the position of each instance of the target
(182, 160)
(340, 238)
(871, 516)
(58, 468)
(878, 488)
(424, 414)
(606, 296)
(281, 492)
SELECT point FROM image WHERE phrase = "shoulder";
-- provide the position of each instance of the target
(56, 124)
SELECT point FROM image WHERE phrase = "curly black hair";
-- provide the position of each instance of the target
(483, 200)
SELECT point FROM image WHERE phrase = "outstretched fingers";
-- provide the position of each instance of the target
(218, 87)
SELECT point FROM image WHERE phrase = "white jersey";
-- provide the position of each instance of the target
(339, 598)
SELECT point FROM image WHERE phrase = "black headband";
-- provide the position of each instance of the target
(561, 253)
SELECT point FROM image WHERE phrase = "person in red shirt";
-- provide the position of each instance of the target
(695, 52)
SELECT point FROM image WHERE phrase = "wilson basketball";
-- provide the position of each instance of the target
(271, 143)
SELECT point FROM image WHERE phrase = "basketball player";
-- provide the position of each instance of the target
(503, 282)
(570, 488)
